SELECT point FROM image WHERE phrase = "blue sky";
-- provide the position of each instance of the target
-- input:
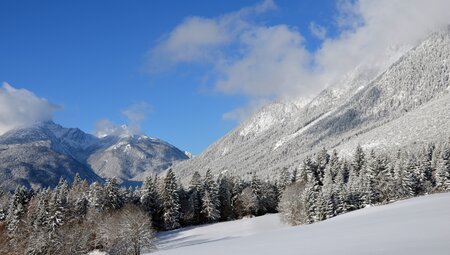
(189, 71)
(91, 58)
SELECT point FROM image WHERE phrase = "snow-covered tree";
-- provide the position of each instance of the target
(310, 201)
(96, 196)
(328, 194)
(126, 231)
(149, 196)
(443, 170)
(210, 199)
(284, 178)
(359, 159)
(113, 196)
(17, 209)
(408, 181)
(225, 197)
(171, 202)
(194, 194)
(292, 206)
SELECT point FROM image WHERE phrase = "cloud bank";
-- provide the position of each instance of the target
(135, 114)
(266, 62)
(22, 108)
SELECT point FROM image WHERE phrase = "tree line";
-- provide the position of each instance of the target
(79, 217)
(329, 185)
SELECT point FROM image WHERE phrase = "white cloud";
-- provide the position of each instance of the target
(138, 112)
(21, 108)
(135, 114)
(105, 127)
(199, 39)
(261, 61)
(273, 61)
(318, 30)
(242, 113)
(374, 30)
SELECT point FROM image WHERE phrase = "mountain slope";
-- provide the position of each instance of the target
(134, 157)
(39, 155)
(410, 227)
(367, 101)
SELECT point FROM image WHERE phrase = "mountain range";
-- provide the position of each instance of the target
(39, 155)
(401, 103)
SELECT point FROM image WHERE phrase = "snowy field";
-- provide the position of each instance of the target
(416, 226)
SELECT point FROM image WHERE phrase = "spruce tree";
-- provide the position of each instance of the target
(328, 194)
(322, 160)
(257, 190)
(17, 209)
(225, 197)
(443, 170)
(171, 202)
(210, 199)
(96, 196)
(408, 181)
(310, 203)
(149, 197)
(113, 196)
(284, 178)
(358, 160)
(195, 198)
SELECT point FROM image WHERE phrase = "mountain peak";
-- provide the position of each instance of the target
(38, 155)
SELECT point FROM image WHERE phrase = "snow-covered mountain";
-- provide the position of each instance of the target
(398, 103)
(39, 155)
(133, 157)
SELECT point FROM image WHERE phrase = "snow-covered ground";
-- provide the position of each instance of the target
(416, 226)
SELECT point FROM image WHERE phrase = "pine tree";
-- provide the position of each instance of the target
(149, 197)
(17, 209)
(210, 199)
(424, 172)
(408, 181)
(334, 164)
(171, 202)
(225, 197)
(322, 161)
(368, 176)
(195, 199)
(309, 172)
(310, 202)
(294, 175)
(257, 190)
(358, 160)
(385, 182)
(443, 170)
(58, 205)
(113, 196)
(354, 197)
(284, 178)
(236, 198)
(328, 195)
(96, 196)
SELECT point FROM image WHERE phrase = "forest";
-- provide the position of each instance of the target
(78, 217)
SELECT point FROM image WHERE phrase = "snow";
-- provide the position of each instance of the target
(97, 252)
(220, 231)
(416, 226)
(301, 131)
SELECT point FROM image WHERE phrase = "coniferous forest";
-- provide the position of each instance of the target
(75, 218)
